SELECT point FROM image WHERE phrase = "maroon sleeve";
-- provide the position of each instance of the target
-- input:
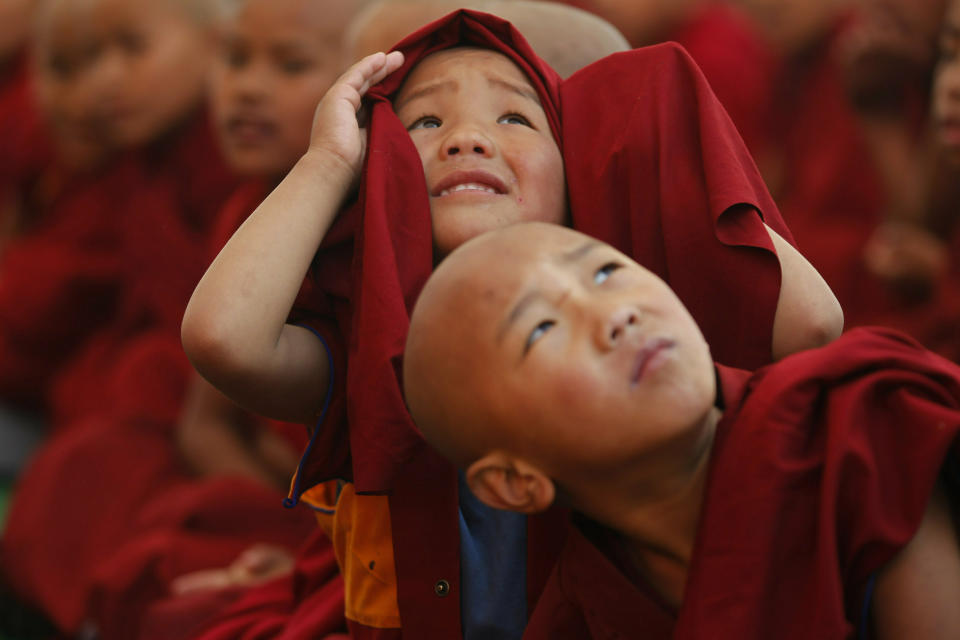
(818, 478)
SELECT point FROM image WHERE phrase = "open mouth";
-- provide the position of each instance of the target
(480, 182)
(250, 128)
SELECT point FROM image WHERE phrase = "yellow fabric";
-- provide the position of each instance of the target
(359, 527)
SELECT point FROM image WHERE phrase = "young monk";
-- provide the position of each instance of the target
(778, 504)
(62, 257)
(124, 391)
(276, 60)
(461, 141)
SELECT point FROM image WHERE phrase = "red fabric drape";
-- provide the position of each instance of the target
(654, 166)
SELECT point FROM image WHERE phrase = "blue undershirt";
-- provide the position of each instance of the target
(493, 569)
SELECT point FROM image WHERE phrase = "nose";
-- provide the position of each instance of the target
(106, 71)
(467, 139)
(252, 82)
(615, 324)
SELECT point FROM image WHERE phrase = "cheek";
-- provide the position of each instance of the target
(543, 191)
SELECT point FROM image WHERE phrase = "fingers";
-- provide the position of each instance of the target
(371, 70)
(206, 580)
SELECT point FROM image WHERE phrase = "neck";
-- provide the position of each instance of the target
(658, 515)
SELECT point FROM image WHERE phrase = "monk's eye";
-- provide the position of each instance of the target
(425, 122)
(294, 66)
(513, 118)
(537, 333)
(604, 272)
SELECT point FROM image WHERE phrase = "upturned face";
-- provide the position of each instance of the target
(276, 60)
(487, 150)
(151, 67)
(586, 359)
(946, 87)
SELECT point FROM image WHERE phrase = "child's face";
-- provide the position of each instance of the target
(64, 48)
(586, 359)
(151, 66)
(946, 86)
(488, 154)
(277, 59)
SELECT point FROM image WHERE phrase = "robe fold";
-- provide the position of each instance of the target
(654, 166)
(821, 470)
(107, 514)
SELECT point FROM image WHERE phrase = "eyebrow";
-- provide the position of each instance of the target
(518, 89)
(427, 90)
(531, 296)
(579, 252)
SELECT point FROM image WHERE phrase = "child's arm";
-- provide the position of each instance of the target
(917, 595)
(217, 437)
(234, 329)
(808, 314)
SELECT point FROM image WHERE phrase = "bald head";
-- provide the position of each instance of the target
(538, 343)
(447, 361)
(565, 37)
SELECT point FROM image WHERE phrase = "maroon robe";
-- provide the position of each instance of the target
(306, 604)
(61, 280)
(821, 470)
(24, 145)
(166, 231)
(654, 166)
(106, 514)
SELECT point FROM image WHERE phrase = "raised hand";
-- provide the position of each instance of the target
(336, 130)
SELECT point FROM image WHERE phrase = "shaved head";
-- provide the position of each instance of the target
(539, 343)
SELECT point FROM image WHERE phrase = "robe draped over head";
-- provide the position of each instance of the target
(654, 166)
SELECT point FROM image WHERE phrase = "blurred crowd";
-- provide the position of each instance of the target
(136, 136)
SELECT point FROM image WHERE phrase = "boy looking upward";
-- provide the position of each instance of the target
(583, 379)
(460, 164)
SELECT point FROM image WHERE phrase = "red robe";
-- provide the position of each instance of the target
(61, 281)
(654, 166)
(306, 604)
(24, 146)
(821, 471)
(166, 232)
(106, 514)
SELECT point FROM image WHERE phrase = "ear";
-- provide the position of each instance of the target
(503, 482)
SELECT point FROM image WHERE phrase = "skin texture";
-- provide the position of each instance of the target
(476, 122)
(275, 61)
(242, 343)
(142, 46)
(538, 396)
(63, 50)
(585, 373)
